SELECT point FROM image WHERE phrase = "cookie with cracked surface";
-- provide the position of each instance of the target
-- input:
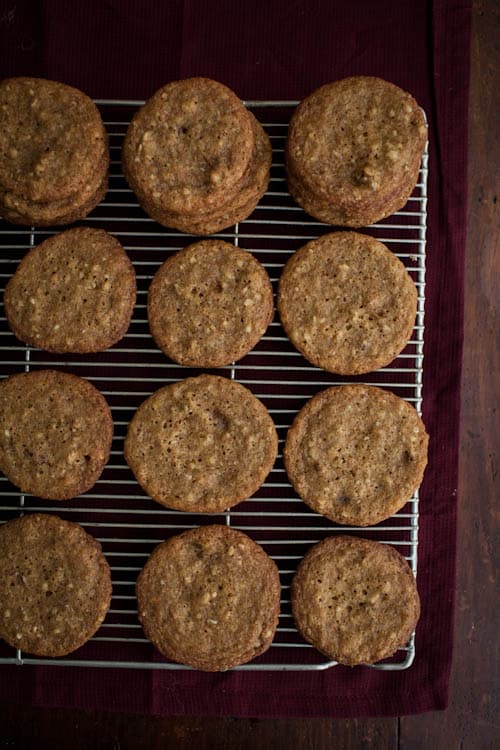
(356, 454)
(201, 445)
(209, 598)
(55, 433)
(55, 585)
(209, 304)
(73, 293)
(189, 146)
(347, 303)
(354, 148)
(53, 152)
(355, 600)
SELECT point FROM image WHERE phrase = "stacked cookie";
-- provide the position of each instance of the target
(53, 153)
(354, 150)
(197, 160)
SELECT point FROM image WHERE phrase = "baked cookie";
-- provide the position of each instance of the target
(209, 598)
(17, 210)
(356, 454)
(189, 145)
(53, 152)
(55, 433)
(354, 150)
(201, 445)
(341, 217)
(347, 303)
(209, 304)
(55, 585)
(73, 293)
(197, 160)
(234, 208)
(355, 600)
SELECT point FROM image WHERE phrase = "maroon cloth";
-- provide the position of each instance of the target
(283, 50)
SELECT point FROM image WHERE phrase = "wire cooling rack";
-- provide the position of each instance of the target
(116, 511)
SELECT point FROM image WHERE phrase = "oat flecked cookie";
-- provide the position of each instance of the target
(54, 155)
(201, 445)
(354, 150)
(209, 304)
(209, 598)
(55, 433)
(347, 303)
(73, 293)
(356, 454)
(234, 208)
(55, 585)
(197, 160)
(355, 600)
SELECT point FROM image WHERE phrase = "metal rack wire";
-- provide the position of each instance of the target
(116, 510)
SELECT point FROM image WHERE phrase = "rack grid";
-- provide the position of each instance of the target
(116, 510)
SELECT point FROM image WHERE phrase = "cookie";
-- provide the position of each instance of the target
(19, 211)
(53, 152)
(206, 224)
(356, 454)
(73, 293)
(201, 445)
(347, 303)
(209, 598)
(209, 304)
(189, 146)
(354, 150)
(51, 137)
(55, 433)
(55, 585)
(355, 600)
(234, 208)
(346, 217)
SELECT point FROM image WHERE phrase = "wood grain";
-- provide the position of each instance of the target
(471, 720)
(80, 730)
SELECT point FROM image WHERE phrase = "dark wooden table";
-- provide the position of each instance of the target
(472, 719)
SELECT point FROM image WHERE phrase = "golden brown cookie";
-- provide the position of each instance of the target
(189, 146)
(53, 152)
(355, 600)
(354, 149)
(356, 454)
(55, 585)
(201, 445)
(20, 211)
(209, 304)
(346, 217)
(347, 303)
(209, 598)
(73, 293)
(233, 208)
(55, 433)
